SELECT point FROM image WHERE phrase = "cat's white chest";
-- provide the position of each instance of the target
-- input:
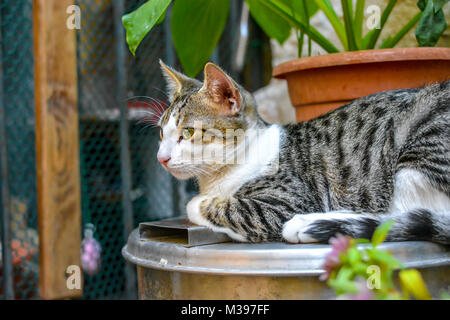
(261, 158)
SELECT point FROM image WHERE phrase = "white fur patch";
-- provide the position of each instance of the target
(294, 230)
(169, 141)
(261, 156)
(412, 191)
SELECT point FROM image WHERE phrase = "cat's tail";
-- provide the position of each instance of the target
(420, 224)
(417, 224)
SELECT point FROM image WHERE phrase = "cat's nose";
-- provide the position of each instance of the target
(164, 160)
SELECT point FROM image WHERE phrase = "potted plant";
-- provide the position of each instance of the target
(323, 83)
(316, 84)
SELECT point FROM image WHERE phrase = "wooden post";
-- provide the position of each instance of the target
(57, 149)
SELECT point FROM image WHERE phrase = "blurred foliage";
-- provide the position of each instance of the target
(367, 272)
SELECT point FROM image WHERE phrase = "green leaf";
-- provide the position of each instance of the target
(431, 25)
(391, 42)
(412, 282)
(444, 295)
(349, 25)
(161, 18)
(353, 256)
(286, 12)
(139, 22)
(196, 30)
(305, 9)
(273, 25)
(384, 257)
(359, 20)
(371, 38)
(381, 232)
(343, 282)
(336, 23)
(439, 4)
(360, 268)
(422, 4)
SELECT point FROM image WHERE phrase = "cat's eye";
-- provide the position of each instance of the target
(187, 133)
(160, 134)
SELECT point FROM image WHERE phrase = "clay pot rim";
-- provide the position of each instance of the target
(361, 57)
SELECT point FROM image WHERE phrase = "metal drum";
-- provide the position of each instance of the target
(177, 260)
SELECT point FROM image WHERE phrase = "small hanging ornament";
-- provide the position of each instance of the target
(90, 251)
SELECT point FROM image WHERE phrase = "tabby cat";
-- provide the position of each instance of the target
(382, 157)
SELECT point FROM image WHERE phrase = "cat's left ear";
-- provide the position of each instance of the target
(173, 78)
(221, 90)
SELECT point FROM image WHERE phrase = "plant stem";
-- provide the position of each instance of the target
(359, 18)
(348, 19)
(392, 42)
(305, 9)
(300, 40)
(312, 32)
(338, 26)
(370, 40)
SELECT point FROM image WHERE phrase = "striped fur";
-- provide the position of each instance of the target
(385, 156)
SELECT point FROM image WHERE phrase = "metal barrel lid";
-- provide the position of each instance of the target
(173, 253)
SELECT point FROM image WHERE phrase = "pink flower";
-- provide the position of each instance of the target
(339, 245)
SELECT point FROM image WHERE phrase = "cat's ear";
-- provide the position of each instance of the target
(221, 90)
(173, 78)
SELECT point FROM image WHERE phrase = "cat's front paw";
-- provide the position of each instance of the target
(193, 210)
(295, 230)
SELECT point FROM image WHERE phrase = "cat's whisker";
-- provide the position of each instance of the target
(162, 91)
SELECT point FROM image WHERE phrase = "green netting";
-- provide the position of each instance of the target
(18, 104)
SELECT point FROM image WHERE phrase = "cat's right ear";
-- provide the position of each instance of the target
(173, 78)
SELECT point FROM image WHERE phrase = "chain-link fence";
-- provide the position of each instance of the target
(117, 148)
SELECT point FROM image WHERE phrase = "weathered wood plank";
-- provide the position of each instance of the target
(57, 147)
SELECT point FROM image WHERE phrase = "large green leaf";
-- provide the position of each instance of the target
(304, 9)
(139, 22)
(196, 30)
(273, 25)
(432, 23)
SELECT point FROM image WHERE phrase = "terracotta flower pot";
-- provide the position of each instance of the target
(321, 84)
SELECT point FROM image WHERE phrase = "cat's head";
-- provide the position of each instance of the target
(204, 122)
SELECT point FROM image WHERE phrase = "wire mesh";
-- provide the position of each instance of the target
(154, 193)
(16, 29)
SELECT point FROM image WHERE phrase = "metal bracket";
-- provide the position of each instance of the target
(180, 231)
